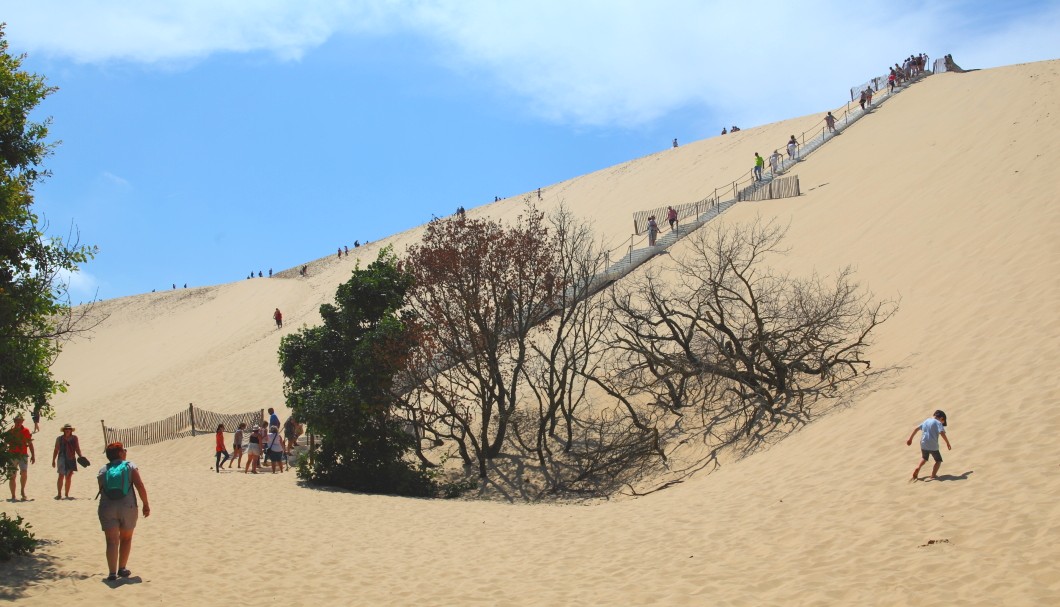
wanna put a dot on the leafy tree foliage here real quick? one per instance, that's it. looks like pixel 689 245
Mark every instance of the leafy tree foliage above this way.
pixel 338 380
pixel 16 539
pixel 480 288
pixel 35 314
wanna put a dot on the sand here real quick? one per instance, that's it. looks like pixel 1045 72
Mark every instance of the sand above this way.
pixel 945 197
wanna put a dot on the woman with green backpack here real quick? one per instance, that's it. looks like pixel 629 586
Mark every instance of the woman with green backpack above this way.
pixel 118 507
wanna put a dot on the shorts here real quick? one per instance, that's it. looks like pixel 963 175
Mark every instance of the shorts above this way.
pixel 237 448
pixel 121 514
pixel 254 449
pixel 66 466
pixel 935 454
pixel 21 462
pixel 275 456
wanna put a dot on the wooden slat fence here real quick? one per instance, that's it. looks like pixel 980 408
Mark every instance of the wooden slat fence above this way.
pixel 687 210
pixel 189 422
pixel 780 187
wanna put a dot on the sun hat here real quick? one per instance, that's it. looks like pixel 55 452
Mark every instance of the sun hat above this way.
pixel 68 427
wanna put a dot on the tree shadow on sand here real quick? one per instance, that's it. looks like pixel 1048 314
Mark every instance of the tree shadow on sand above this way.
pixel 21 573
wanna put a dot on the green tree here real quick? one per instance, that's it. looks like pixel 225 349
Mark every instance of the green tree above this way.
pixel 339 379
pixel 35 314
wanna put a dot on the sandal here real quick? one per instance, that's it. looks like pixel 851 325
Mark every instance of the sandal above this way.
pixel 112 577
pixel 124 572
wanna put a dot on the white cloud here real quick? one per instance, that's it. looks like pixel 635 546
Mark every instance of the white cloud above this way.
pixel 113 179
pixel 80 285
pixel 592 62
pixel 94 31
pixel 599 62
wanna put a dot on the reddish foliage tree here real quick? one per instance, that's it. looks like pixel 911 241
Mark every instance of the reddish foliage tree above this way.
pixel 480 288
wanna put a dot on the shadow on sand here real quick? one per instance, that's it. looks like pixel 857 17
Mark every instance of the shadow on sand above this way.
pixel 954 477
pixel 22 572
pixel 123 581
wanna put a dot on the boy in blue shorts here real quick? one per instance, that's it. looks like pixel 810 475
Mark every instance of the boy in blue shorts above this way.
pixel 933 428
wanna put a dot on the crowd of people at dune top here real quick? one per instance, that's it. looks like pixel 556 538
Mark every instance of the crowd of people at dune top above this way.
pixel 898 75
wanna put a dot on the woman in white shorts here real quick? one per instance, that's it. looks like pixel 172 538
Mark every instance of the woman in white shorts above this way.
pixel 253 451
pixel 237 446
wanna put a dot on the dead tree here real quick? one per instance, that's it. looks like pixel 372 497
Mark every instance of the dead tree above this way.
pixel 577 447
pixel 733 349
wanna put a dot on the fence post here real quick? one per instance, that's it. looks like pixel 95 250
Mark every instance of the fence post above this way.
pixel 312 446
pixel 191 415
pixel 104 426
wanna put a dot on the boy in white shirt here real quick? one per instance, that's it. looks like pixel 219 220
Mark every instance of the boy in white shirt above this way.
pixel 933 428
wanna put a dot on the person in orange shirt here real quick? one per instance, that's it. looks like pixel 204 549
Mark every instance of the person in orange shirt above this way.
pixel 220 449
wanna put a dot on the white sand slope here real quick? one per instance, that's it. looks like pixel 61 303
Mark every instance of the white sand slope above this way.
pixel 946 196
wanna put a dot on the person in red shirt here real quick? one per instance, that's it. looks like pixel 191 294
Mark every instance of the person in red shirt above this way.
pixel 21 441
pixel 278 317
pixel 220 449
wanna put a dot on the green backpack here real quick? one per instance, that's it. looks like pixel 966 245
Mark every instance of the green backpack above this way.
pixel 117 480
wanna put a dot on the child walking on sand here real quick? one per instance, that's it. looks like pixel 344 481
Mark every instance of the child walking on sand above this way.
pixel 933 427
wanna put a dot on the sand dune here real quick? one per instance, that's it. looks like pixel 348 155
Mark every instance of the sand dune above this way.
pixel 946 197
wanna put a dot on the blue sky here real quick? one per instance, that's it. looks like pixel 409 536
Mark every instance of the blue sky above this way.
pixel 205 139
